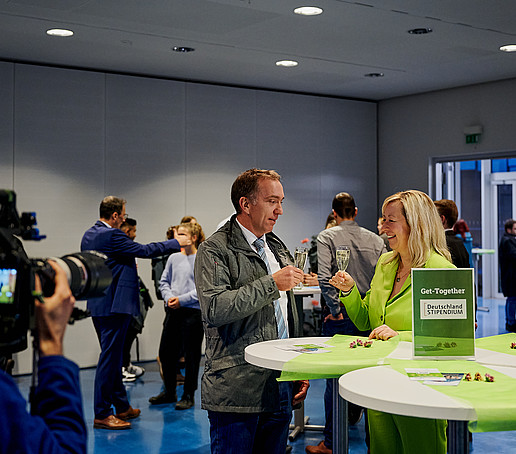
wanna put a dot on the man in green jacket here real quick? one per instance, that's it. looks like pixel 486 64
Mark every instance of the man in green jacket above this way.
pixel 244 275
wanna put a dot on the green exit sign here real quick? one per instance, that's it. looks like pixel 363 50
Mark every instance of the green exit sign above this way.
pixel 472 138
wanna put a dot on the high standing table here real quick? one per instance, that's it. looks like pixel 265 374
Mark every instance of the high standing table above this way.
pixel 300 421
pixel 300 294
pixel 477 252
pixel 266 354
pixel 384 389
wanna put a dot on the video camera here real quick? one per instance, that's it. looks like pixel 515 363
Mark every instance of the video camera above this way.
pixel 88 275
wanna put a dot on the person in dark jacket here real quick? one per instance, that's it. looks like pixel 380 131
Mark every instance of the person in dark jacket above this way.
pixel 507 257
pixel 112 313
pixel 449 213
pixel 244 275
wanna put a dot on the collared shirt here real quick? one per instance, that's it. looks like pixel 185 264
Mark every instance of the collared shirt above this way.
pixel 273 264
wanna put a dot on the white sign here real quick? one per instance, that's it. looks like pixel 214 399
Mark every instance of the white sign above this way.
pixel 444 309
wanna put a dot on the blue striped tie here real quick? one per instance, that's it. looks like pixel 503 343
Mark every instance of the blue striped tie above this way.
pixel 280 321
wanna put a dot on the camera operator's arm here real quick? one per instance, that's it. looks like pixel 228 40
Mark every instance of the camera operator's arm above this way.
pixel 57 403
pixel 52 316
pixel 57 423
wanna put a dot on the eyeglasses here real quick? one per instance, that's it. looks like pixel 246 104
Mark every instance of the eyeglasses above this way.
pixel 125 216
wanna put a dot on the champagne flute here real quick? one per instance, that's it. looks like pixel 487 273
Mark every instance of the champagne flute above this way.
pixel 300 256
pixel 342 254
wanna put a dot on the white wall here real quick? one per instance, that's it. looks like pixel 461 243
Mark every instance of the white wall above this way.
pixel 170 148
pixel 414 128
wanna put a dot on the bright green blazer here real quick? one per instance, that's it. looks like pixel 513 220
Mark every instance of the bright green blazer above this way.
pixel 376 308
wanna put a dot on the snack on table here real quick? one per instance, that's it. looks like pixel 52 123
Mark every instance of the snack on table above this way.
pixel 478 377
pixel 368 343
pixel 467 377
pixel 513 344
pixel 353 345
pixel 489 378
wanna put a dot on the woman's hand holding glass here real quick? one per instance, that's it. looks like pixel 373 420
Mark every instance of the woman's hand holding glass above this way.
pixel 343 281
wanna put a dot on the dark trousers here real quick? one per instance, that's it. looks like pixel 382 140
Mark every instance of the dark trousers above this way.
pixel 252 433
pixel 109 388
pixel 130 337
pixel 330 328
pixel 510 314
pixel 182 328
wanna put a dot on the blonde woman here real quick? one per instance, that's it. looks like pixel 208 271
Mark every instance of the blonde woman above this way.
pixel 417 240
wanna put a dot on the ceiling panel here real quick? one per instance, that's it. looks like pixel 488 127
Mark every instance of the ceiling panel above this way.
pixel 237 42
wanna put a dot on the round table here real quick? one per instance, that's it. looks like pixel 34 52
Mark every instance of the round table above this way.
pixel 384 389
pixel 268 354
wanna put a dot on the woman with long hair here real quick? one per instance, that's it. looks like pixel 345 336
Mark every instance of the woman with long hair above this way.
pixel 417 240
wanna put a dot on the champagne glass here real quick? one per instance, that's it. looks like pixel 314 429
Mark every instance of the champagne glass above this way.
pixel 300 256
pixel 342 254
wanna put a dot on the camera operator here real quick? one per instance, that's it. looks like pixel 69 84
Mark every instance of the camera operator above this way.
pixel 56 423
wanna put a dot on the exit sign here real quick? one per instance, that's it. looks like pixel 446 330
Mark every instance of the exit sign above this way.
pixel 472 138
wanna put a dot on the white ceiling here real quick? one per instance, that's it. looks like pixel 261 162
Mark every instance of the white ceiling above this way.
pixel 237 42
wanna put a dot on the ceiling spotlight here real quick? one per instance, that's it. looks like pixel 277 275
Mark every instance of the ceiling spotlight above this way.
pixel 59 32
pixel 308 11
pixel 420 31
pixel 182 49
pixel 508 48
pixel 287 63
pixel 374 75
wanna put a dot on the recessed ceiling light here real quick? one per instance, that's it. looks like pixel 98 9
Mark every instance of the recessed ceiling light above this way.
pixel 420 31
pixel 374 75
pixel 308 11
pixel 182 49
pixel 287 63
pixel 508 48
pixel 59 32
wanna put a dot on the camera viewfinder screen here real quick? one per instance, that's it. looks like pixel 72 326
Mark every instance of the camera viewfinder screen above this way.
pixel 7 285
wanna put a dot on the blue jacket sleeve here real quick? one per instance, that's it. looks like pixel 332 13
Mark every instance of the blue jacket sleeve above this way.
pixel 121 244
pixel 56 424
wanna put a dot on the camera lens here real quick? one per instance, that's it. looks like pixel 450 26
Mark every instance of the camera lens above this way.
pixel 88 275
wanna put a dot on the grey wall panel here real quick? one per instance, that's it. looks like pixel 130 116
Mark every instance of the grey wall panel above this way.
pixel 320 146
pixel 221 142
pixel 348 145
pixel 59 151
pixel 6 125
pixel 145 150
pixel 59 161
pixel 287 141
pixel 412 129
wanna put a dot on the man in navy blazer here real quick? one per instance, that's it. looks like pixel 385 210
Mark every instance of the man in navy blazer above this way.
pixel 111 313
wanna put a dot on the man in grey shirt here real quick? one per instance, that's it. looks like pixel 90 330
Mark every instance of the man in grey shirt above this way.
pixel 365 249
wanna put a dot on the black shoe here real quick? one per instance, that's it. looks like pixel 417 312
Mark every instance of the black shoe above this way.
pixel 185 403
pixel 511 327
pixel 163 398
pixel 354 414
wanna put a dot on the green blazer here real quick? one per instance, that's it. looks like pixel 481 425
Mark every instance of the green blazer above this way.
pixel 376 308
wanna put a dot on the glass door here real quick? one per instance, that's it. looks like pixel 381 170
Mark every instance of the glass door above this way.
pixel 503 208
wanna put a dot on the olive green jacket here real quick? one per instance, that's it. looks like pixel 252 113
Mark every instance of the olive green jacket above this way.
pixel 236 296
pixel 377 308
